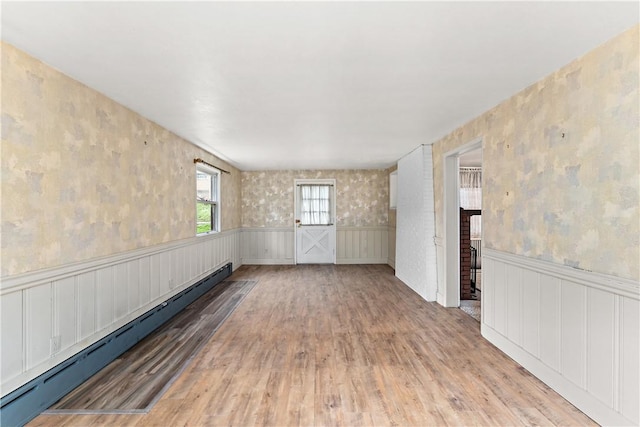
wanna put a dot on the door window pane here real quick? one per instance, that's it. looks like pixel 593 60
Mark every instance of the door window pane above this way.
pixel 315 204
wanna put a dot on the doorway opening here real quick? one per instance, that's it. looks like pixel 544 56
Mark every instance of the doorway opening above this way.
pixel 462 275
pixel 470 182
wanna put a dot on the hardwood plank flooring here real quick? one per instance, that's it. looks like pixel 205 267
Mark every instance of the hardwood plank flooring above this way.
pixel 138 377
pixel 345 345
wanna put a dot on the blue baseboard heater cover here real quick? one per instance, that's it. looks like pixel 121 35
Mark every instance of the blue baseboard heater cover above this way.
pixel 25 403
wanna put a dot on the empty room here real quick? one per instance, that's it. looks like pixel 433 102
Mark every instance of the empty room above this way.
pixel 320 213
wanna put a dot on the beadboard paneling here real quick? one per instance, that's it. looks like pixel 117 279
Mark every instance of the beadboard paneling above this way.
pixel 268 245
pixel 600 330
pixel 391 243
pixel 11 327
pixel 628 355
pixel 531 312
pixel 50 315
pixel 86 308
pixel 362 245
pixel 39 310
pixel 65 311
pixel 575 330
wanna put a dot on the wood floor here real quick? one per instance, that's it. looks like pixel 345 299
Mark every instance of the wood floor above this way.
pixel 345 345
pixel 137 378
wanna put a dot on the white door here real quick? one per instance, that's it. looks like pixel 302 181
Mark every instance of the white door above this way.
pixel 315 221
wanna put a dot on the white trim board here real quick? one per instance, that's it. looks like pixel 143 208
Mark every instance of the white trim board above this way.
pixel 21 281
pixel 618 285
pixel 449 250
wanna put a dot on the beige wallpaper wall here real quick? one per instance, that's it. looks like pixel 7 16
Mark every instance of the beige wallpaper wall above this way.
pixel 83 176
pixel 561 164
pixel 362 197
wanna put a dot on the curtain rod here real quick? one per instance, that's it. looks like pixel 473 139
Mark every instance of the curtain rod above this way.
pixel 199 160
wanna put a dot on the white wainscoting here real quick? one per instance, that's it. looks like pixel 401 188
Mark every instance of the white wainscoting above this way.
pixel 268 245
pixel 577 331
pixel 52 314
pixel 362 245
pixel 354 245
pixel 440 297
pixel 391 239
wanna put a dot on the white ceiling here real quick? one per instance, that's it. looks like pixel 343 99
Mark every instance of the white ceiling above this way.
pixel 298 85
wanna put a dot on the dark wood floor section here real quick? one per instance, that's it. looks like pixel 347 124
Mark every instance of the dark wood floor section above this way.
pixel 345 345
pixel 137 378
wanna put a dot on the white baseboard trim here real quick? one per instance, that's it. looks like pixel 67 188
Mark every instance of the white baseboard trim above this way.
pixel 291 262
pixel 362 261
pixel 279 261
pixel 580 398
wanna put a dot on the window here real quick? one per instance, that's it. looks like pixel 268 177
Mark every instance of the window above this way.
pixel 471 196
pixel 207 200
pixel 315 204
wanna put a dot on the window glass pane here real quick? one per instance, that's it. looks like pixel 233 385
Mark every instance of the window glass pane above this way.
pixel 214 217
pixel 476 227
pixel 214 187
pixel 315 206
pixel 205 216
pixel 204 186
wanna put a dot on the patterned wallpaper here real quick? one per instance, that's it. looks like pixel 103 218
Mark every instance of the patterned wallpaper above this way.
pixel 561 164
pixel 83 176
pixel 362 197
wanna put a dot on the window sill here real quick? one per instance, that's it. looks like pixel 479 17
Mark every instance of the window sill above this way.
pixel 207 233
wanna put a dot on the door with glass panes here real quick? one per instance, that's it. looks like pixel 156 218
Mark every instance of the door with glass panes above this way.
pixel 315 227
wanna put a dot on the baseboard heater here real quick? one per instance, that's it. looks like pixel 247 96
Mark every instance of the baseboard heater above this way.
pixel 25 403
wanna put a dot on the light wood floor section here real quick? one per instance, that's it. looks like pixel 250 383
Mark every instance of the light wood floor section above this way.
pixel 135 380
pixel 345 345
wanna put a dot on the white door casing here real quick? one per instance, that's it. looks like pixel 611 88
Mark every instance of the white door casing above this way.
pixel 449 287
pixel 315 237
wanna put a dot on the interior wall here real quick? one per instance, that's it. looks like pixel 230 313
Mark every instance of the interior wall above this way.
pixel 362 197
pixel 560 165
pixel 362 208
pixel 392 227
pixel 97 218
pixel 415 232
pixel 561 253
pixel 85 177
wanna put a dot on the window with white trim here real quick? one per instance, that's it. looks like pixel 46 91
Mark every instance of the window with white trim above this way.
pixel 207 200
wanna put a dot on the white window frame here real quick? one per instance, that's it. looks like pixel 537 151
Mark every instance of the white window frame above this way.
pixel 215 184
